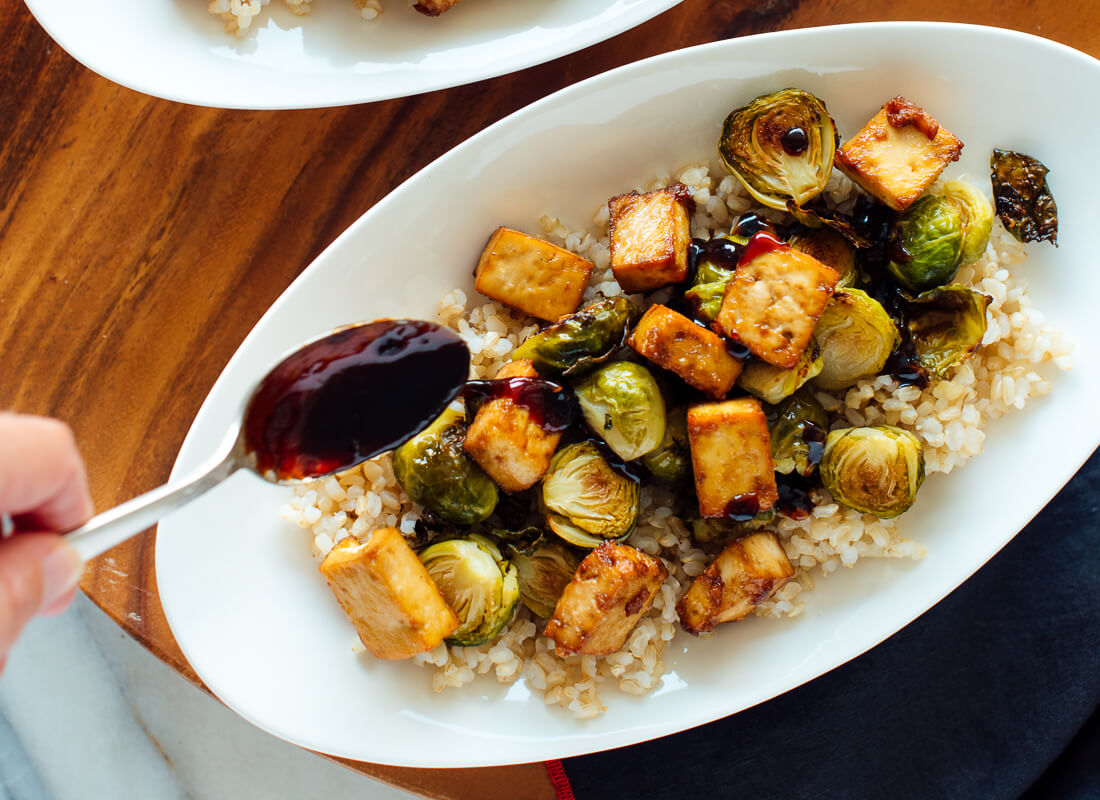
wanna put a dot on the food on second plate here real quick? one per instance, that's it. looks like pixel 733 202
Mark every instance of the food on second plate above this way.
pixel 765 404
pixel 1024 202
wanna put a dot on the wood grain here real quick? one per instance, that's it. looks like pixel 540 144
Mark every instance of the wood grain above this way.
pixel 140 240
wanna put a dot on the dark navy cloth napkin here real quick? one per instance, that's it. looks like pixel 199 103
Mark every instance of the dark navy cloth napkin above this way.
pixel 991 694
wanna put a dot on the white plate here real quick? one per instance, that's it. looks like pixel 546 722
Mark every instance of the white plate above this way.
pixel 263 631
pixel 177 50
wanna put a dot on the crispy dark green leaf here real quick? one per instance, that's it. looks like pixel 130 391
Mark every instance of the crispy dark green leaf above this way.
pixel 1024 202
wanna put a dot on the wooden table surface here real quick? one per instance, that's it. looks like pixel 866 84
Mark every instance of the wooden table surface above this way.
pixel 140 240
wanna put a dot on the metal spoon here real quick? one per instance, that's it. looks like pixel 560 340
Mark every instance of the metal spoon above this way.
pixel 331 404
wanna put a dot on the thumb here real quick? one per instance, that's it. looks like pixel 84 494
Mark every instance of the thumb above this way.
pixel 37 572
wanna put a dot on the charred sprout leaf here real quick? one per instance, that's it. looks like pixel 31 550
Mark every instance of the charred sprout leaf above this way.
pixel 622 404
pixel 926 244
pixel 797 434
pixel 437 474
pixel 1024 202
pixel 977 217
pixel 945 326
pixel 820 217
pixel 771 383
pixel 831 249
pixel 705 295
pixel 586 500
pixel 876 470
pixel 721 530
pixel 856 336
pixel 581 340
pixel 522 540
pixel 781 147
pixel 479 585
pixel 670 462
pixel 543 573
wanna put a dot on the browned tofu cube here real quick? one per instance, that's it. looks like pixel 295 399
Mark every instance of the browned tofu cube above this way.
pixel 433 8
pixel 611 590
pixel 530 275
pixel 731 456
pixel 772 303
pixel 512 448
pixel 388 595
pixel 650 234
pixel 699 356
pixel 898 154
pixel 743 576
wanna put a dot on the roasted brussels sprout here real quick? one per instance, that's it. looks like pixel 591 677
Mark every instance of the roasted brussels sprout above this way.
pixel 1024 202
pixel 705 295
pixel 622 404
pixel 856 336
pixel 586 501
pixel 771 383
pixel 875 470
pixel 977 217
pixel 479 585
pixel 945 325
pixel 781 147
pixel 670 462
pixel 831 249
pixel 543 572
pixel 721 530
pixel 926 244
pixel 581 340
pixel 797 428
pixel 435 472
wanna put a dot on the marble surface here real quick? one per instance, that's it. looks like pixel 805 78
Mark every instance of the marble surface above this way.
pixel 87 713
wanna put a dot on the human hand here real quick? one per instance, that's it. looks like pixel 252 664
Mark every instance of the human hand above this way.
pixel 43 488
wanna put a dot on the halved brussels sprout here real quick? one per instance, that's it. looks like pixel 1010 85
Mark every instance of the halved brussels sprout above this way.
pixel 945 325
pixel 479 585
pixel 1024 201
pixel 926 244
pixel 831 249
pixel 771 383
pixel 856 336
pixel 586 501
pixel 670 462
pixel 977 217
pixel 781 147
pixel 543 573
pixel 581 340
pixel 876 470
pixel 622 404
pixel 798 434
pixel 436 473
pixel 705 295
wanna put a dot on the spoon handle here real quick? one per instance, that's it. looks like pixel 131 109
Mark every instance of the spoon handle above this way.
pixel 104 531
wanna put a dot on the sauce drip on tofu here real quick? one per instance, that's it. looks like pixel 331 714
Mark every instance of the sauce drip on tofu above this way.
pixel 550 406
pixel 351 395
pixel 760 243
pixel 794 142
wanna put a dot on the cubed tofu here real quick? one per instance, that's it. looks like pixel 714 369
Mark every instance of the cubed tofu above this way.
pixel 388 595
pixel 772 303
pixel 433 8
pixel 512 448
pixel 898 154
pixel 610 591
pixel 699 356
pixel 530 275
pixel 731 456
pixel 743 576
pixel 650 234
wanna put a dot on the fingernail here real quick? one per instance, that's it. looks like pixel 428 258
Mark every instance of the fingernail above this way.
pixel 61 571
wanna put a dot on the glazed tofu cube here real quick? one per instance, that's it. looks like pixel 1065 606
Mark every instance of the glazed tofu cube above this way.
pixel 433 8
pixel 731 456
pixel 611 590
pixel 898 154
pixel 743 576
pixel 650 234
pixel 772 303
pixel 388 595
pixel 506 442
pixel 699 356
pixel 530 275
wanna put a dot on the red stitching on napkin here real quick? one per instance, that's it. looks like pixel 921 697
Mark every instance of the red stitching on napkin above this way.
pixel 562 787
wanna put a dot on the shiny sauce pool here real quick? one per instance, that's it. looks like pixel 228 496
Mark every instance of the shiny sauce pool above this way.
pixel 351 395
pixel 548 404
